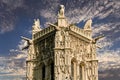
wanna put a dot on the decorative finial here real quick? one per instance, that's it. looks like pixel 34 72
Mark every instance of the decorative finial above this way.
pixel 61 12
pixel 88 25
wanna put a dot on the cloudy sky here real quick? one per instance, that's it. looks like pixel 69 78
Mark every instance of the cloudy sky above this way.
pixel 16 19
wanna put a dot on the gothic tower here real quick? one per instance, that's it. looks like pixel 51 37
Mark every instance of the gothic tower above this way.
pixel 62 51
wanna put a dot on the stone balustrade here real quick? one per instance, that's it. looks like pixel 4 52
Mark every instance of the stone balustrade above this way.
pixel 80 31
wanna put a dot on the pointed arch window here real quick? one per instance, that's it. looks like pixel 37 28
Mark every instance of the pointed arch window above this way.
pixel 52 71
pixel 73 69
pixel 43 72
pixel 80 72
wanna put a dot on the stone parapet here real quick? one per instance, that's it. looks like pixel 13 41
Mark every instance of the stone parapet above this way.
pixel 80 32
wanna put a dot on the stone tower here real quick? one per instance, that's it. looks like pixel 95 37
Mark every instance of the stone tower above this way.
pixel 62 51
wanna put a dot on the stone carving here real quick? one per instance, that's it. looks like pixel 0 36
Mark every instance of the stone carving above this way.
pixel 62 62
pixel 61 35
pixel 57 69
pixel 67 71
pixel 67 77
pixel 36 26
pixel 29 42
pixel 62 9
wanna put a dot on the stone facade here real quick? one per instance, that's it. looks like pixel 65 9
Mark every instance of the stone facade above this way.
pixel 62 51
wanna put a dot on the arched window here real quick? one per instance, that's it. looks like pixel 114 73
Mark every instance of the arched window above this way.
pixel 73 69
pixel 80 72
pixel 43 72
pixel 52 71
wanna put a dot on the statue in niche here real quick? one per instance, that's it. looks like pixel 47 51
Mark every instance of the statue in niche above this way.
pixel 61 35
pixel 93 49
pixel 62 62
pixel 67 36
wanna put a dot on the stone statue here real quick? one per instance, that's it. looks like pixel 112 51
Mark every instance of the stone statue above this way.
pixel 62 9
pixel 36 26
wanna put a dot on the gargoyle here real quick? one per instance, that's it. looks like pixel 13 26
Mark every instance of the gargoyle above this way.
pixel 29 42
pixel 56 27
pixel 97 38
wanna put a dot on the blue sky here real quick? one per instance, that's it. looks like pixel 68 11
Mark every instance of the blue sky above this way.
pixel 17 16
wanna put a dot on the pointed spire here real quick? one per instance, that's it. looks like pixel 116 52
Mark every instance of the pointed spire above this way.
pixel 36 26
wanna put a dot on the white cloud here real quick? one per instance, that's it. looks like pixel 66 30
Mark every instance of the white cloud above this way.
pixel 20 56
pixel 12 65
pixel 22 44
pixel 15 63
pixel 109 59
pixel 13 4
pixel 105 43
pixel 48 15
pixel 107 13
pixel 100 28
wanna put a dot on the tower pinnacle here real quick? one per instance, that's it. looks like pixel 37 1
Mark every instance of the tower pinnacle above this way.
pixel 62 22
